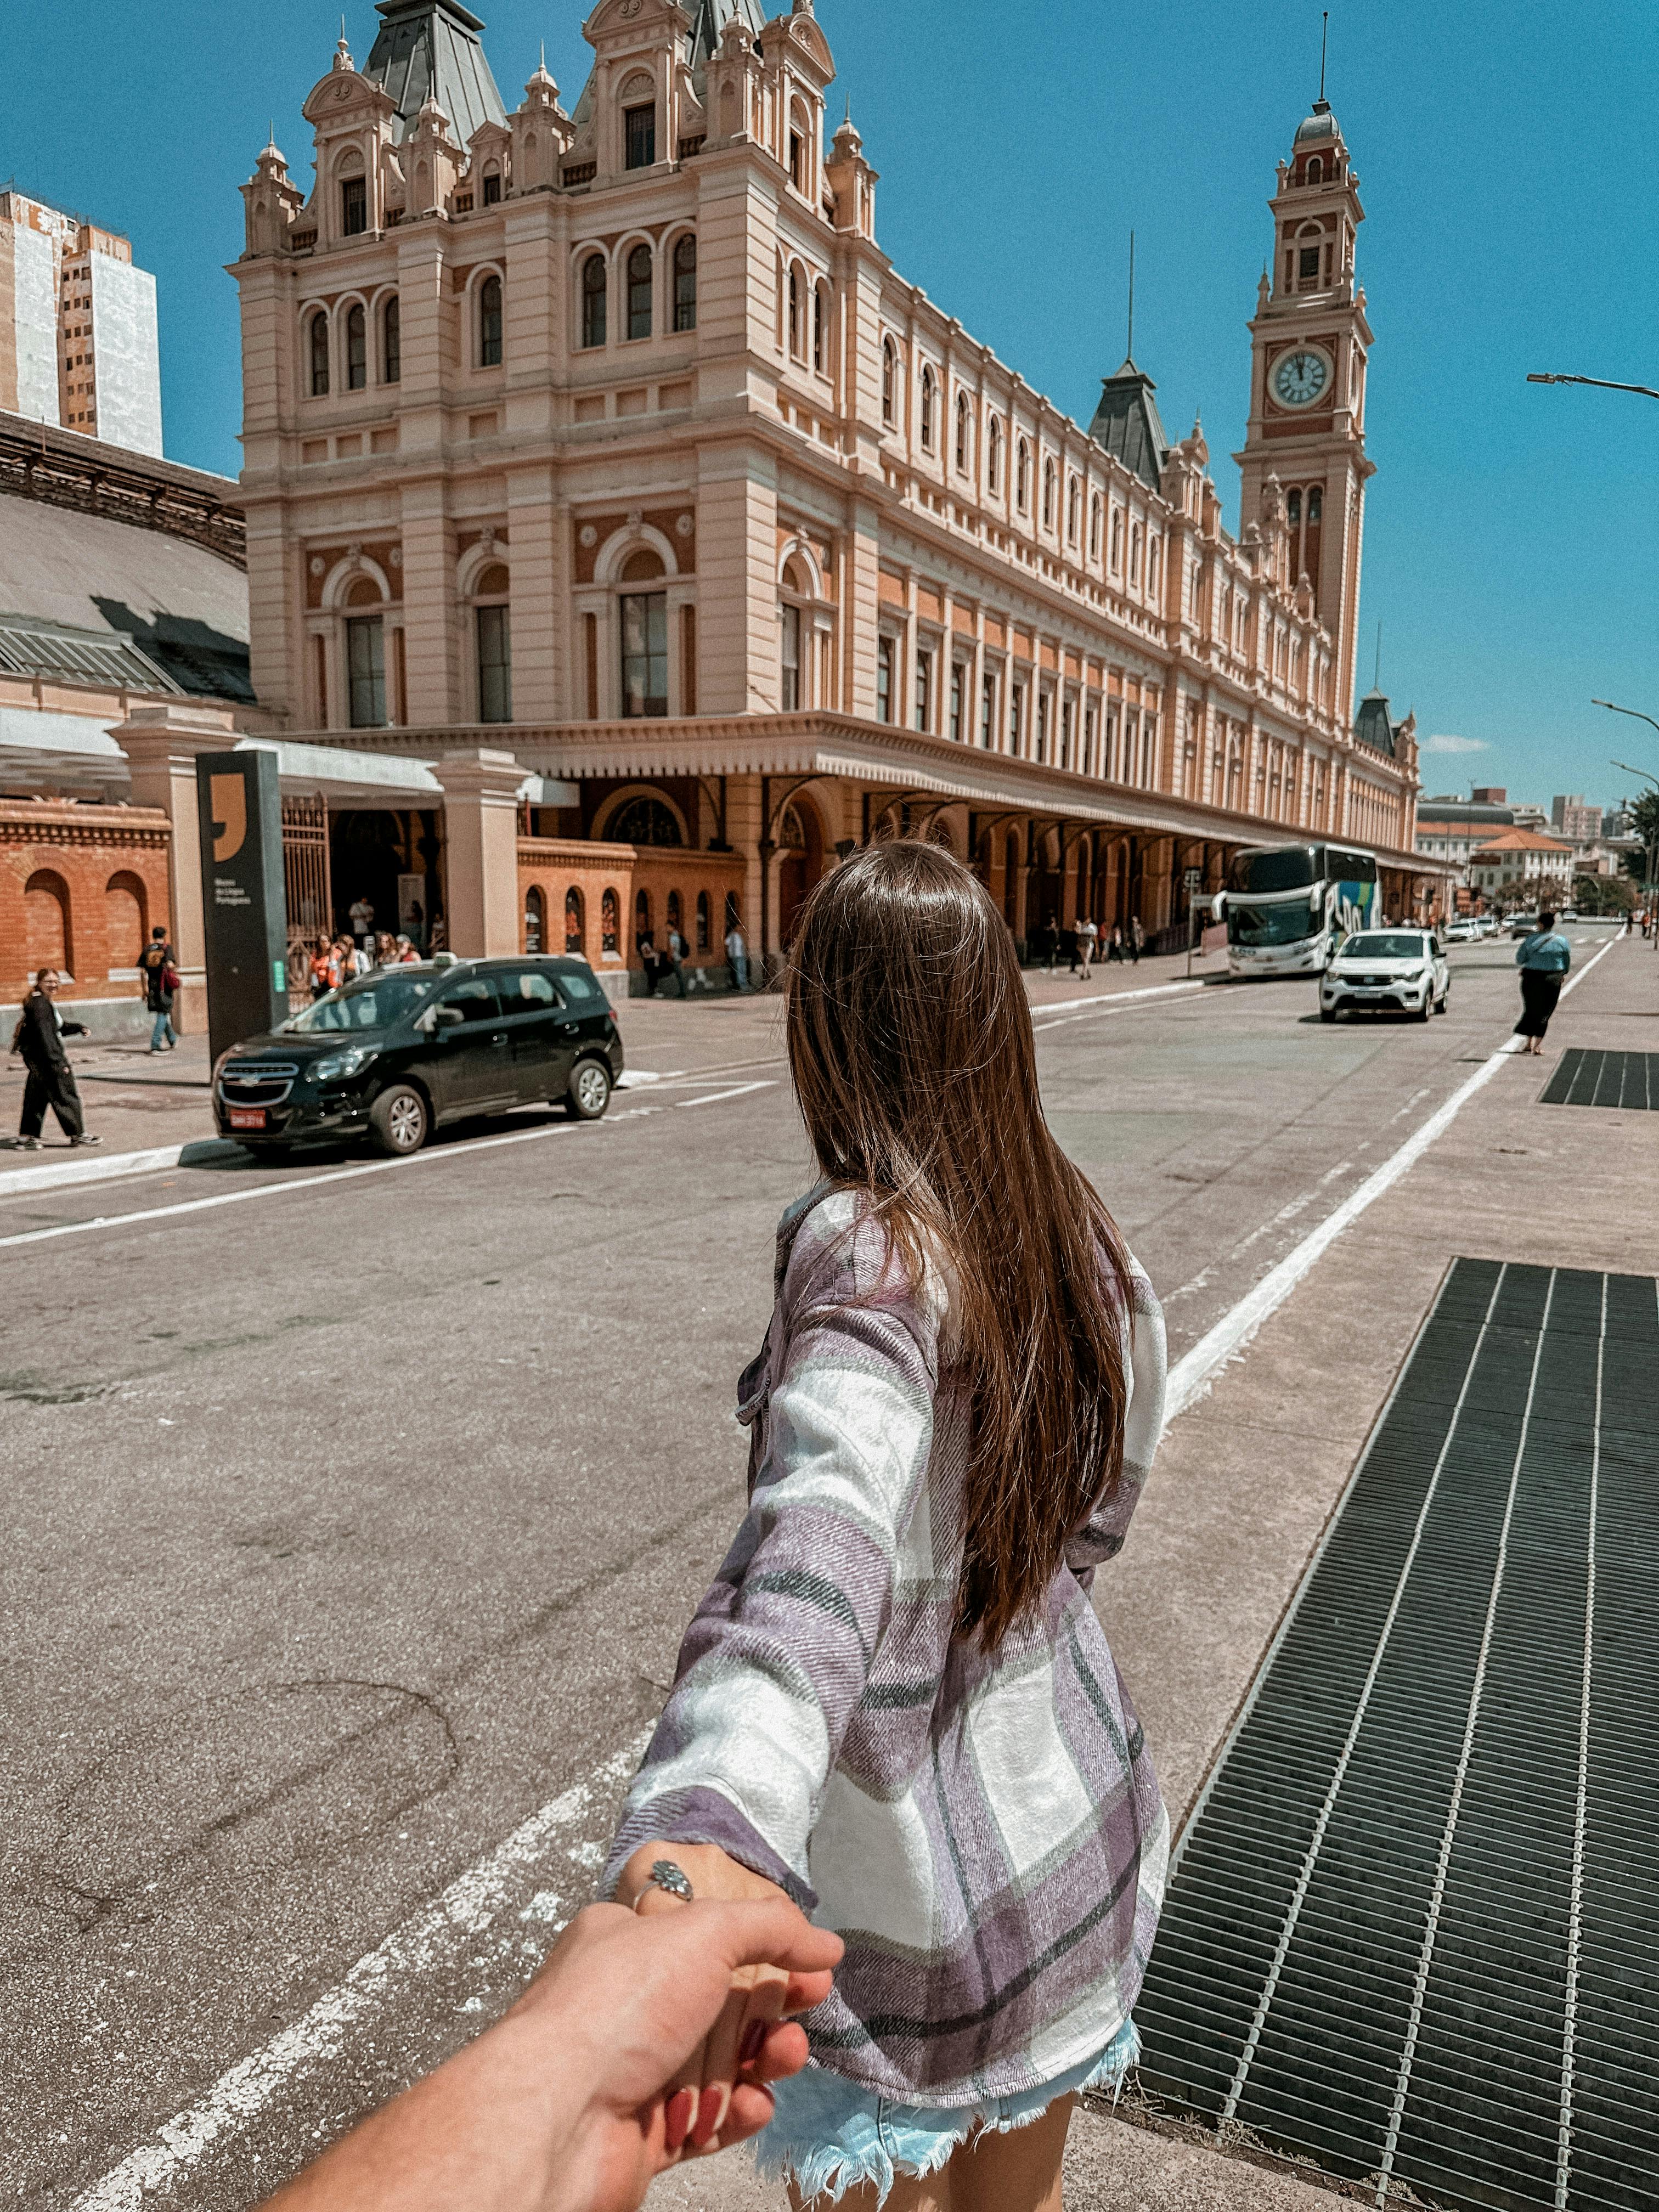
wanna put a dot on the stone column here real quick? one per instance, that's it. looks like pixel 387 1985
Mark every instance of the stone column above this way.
pixel 162 745
pixel 481 851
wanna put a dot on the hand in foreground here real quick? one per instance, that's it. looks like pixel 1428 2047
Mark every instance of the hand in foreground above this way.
pixel 561 2108
pixel 708 2088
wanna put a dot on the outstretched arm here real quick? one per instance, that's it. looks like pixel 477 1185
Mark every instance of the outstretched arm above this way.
pixel 561 2108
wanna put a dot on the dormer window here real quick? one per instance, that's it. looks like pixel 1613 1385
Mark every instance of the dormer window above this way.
pixel 353 206
pixel 492 188
pixel 797 160
pixel 640 126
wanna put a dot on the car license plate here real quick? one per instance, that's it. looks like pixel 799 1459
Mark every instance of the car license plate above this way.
pixel 247 1117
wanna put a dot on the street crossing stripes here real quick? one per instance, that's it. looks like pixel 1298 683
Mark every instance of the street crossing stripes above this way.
pixel 1411 1933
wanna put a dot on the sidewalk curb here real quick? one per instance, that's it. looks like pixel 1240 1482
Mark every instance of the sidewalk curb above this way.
pixel 201 1151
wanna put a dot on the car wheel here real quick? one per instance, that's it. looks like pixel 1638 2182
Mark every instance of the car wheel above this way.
pixel 1444 1007
pixel 1427 1007
pixel 589 1094
pixel 398 1121
pixel 1327 1013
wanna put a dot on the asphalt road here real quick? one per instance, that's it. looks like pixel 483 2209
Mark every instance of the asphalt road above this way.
pixel 355 1520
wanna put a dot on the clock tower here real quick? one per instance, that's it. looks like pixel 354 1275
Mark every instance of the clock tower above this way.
pixel 1303 464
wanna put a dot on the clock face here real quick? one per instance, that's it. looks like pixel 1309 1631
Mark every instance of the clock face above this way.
pixel 1301 378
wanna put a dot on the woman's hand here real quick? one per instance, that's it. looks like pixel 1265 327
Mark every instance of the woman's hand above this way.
pixel 700 2097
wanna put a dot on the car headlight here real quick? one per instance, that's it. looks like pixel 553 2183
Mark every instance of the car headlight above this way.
pixel 340 1065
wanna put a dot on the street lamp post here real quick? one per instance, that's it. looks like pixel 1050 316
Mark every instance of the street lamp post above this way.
pixel 1650 874
pixel 1601 384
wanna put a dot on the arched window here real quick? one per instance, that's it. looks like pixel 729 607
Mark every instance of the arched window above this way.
pixel 1117 538
pixel 391 334
pixel 641 917
pixel 319 355
pixel 994 457
pixel 686 283
pixel 961 432
pixel 705 922
pixel 1315 170
pixel 1136 540
pixel 574 921
pixel 1073 509
pixel 47 936
pixel 1316 504
pixel 356 350
pixel 929 394
pixel 638 293
pixel 1094 527
pixel 492 187
pixel 1022 475
pixel 610 921
pixel 644 821
pixel 494 642
pixel 675 913
pixel 794 315
pixel 1049 495
pixel 594 289
pixel 127 920
pixel 535 921
pixel 1294 509
pixel 888 379
pixel 820 325
pixel 489 323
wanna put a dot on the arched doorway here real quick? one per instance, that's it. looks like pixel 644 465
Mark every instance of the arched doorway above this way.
pixel 800 847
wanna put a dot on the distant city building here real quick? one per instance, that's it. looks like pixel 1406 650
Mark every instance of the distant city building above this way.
pixel 1520 866
pixel 78 345
pixel 1579 823
pixel 1451 830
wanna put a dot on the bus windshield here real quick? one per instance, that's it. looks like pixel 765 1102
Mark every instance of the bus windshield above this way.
pixel 1289 924
pixel 1293 868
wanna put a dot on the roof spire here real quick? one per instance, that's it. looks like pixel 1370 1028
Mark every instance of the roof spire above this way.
pixel 1324 48
pixel 1129 350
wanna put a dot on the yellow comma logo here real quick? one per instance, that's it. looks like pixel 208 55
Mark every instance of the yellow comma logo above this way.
pixel 228 795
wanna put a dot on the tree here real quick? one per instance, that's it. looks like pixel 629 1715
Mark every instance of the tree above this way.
pixel 1603 895
pixel 1644 822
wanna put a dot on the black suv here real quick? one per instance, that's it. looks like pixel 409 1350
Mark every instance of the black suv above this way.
pixel 397 1052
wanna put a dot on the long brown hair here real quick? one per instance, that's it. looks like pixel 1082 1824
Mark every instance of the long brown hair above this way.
pixel 911 1046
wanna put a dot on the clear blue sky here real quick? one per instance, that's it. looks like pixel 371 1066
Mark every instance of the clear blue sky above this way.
pixel 1507 162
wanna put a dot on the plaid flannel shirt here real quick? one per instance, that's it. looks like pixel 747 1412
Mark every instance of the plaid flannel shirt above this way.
pixel 987 1836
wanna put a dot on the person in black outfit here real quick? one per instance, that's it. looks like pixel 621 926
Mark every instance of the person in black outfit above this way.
pixel 39 1037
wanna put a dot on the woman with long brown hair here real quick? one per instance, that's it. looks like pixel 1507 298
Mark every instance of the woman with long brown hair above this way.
pixel 897 1704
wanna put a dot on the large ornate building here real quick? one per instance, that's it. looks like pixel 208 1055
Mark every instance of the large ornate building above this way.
pixel 602 461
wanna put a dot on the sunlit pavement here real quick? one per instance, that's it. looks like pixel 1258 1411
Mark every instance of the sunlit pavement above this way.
pixel 353 1524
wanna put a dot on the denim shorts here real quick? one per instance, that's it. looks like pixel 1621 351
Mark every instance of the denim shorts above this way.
pixel 829 2134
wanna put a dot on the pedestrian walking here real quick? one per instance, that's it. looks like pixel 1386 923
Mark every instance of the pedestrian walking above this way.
pixel 1115 948
pixel 737 958
pixel 1544 959
pixel 650 959
pixel 1048 944
pixel 677 950
pixel 416 928
pixel 159 980
pixel 951 1418
pixel 325 972
pixel 50 1080
pixel 1137 939
pixel 1088 937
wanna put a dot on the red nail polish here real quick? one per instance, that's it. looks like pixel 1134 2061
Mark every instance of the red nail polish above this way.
pixel 676 2120
pixel 708 2113
pixel 754 2040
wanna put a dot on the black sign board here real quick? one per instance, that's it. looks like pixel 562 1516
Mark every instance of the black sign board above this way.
pixel 244 908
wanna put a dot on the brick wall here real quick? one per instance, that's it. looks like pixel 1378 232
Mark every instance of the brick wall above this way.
pixel 552 867
pixel 80 888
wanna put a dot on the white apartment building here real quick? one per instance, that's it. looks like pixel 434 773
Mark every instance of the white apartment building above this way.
pixel 78 340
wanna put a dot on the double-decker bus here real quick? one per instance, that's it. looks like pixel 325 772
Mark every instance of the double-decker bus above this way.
pixel 1287 909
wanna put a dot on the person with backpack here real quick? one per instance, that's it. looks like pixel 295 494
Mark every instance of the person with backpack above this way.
pixel 159 981
pixel 896 1705
pixel 38 1037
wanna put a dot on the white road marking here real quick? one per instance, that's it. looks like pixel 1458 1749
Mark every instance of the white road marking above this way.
pixel 714 1098
pixel 1076 1009
pixel 440 1929
pixel 437 1935
pixel 108 1166
pixel 1193 1376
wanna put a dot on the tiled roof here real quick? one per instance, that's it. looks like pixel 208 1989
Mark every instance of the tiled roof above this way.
pixel 1127 424
pixel 433 46
pixel 1522 840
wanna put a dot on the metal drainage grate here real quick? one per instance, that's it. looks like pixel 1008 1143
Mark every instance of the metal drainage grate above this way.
pixel 1413 1928
pixel 1605 1079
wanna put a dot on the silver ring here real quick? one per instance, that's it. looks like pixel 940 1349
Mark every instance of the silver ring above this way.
pixel 673 1881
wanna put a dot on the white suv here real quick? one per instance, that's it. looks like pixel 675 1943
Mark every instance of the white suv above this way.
pixel 1399 970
